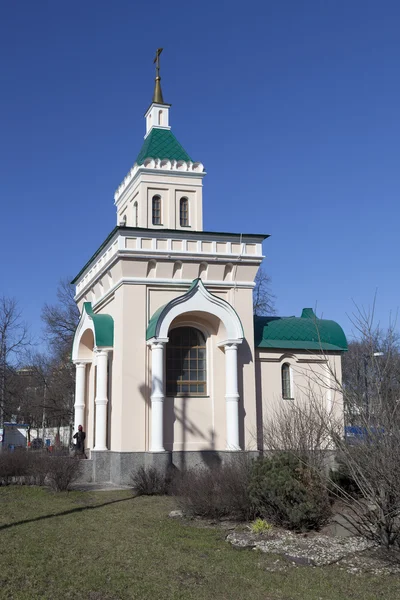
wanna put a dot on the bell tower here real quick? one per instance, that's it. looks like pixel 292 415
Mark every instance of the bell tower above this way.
pixel 163 189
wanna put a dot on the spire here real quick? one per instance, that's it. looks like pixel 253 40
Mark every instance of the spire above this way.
pixel 157 96
pixel 157 115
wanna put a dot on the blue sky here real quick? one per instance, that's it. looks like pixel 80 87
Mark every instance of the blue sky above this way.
pixel 292 106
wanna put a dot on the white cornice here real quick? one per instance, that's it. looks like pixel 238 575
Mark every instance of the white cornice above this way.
pixel 156 105
pixel 158 166
pixel 115 250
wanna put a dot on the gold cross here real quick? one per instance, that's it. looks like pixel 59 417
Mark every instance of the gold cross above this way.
pixel 157 61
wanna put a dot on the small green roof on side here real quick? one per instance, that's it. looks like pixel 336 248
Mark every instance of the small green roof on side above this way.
pixel 161 143
pixel 103 326
pixel 299 333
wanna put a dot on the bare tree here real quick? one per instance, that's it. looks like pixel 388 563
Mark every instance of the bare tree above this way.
pixel 263 298
pixel 61 319
pixel 369 455
pixel 47 385
pixel 14 339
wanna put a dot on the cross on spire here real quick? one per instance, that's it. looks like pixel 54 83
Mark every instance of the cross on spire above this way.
pixel 157 61
pixel 157 96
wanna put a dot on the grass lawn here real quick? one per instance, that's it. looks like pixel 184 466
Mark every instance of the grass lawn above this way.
pixel 109 546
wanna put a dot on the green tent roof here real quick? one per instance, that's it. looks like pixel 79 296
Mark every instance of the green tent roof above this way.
pixel 299 333
pixel 161 143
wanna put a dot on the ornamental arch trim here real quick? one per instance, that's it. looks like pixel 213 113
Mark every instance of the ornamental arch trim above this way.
pixel 196 299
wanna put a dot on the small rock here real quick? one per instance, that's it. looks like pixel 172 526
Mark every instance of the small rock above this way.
pixel 175 514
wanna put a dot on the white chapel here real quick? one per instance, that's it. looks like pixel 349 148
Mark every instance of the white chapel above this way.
pixel 171 365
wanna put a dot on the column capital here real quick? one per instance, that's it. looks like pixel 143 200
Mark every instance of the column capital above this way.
pixel 81 363
pixel 160 343
pixel 100 351
pixel 231 346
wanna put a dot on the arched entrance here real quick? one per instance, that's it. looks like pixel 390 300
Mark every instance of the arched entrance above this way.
pixel 93 341
pixel 197 301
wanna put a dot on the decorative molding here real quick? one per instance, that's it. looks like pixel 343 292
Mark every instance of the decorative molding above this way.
pixel 295 356
pixel 115 250
pixel 158 165
pixel 197 298
pixel 175 283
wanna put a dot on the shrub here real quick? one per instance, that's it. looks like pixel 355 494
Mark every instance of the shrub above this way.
pixel 260 526
pixel 222 491
pixel 62 472
pixel 14 466
pixel 288 493
pixel 39 466
pixel 149 481
pixel 341 482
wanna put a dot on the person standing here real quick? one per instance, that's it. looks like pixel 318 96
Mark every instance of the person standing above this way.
pixel 80 436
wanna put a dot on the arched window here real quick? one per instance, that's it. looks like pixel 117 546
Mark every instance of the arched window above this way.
pixel 184 212
pixel 160 117
pixel 287 391
pixel 186 363
pixel 135 214
pixel 156 210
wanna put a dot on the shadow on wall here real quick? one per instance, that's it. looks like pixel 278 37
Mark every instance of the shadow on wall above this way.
pixel 245 357
pixel 173 414
pixel 259 408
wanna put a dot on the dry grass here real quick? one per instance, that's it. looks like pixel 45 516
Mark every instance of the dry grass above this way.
pixel 111 546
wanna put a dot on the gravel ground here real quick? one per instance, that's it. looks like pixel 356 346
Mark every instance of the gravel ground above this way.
pixel 316 550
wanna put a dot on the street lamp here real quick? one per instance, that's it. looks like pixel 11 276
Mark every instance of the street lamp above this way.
pixel 366 357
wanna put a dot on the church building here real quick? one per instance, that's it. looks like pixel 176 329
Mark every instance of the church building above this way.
pixel 171 364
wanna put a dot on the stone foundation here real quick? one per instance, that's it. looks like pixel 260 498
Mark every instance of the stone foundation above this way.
pixel 116 467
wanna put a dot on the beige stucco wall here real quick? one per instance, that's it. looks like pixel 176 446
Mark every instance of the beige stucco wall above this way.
pixel 171 188
pixel 193 423
pixel 138 284
pixel 189 423
pixel 313 376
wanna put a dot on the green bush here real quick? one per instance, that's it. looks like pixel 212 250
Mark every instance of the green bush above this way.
pixel 289 494
pixel 222 491
pixel 260 526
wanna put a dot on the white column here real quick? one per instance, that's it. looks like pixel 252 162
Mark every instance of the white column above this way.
pixel 101 400
pixel 157 397
pixel 79 406
pixel 231 397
